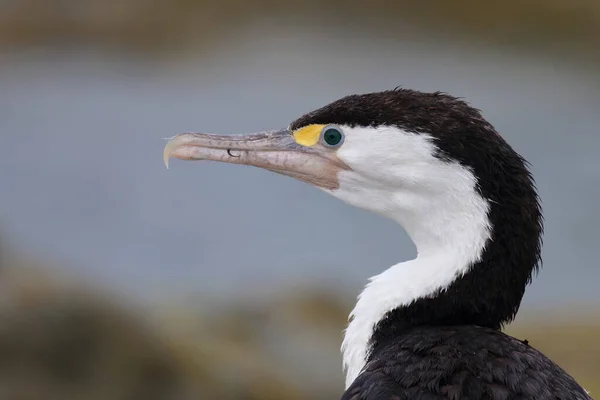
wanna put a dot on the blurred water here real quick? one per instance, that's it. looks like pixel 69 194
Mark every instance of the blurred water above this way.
pixel 83 181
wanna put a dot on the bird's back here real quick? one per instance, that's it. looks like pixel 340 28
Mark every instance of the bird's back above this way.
pixel 461 362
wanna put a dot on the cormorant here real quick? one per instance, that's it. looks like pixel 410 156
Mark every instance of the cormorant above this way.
pixel 429 328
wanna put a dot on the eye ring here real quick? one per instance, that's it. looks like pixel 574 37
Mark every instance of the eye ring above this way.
pixel 332 136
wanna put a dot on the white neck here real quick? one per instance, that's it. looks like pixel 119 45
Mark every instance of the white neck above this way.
pixel 449 228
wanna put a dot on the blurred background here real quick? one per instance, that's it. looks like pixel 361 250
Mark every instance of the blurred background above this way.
pixel 122 280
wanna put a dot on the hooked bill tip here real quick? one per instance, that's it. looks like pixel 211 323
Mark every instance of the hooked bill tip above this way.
pixel 167 152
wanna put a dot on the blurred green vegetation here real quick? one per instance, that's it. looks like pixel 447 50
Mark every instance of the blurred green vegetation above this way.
pixel 62 339
pixel 150 25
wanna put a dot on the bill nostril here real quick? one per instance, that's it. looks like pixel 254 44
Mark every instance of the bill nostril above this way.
pixel 233 153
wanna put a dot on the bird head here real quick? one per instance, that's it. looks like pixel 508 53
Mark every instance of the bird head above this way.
pixel 427 160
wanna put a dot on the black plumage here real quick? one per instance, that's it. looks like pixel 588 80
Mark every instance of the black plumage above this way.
pixel 461 362
pixel 449 345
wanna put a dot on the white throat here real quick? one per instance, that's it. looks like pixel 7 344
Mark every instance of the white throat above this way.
pixel 446 218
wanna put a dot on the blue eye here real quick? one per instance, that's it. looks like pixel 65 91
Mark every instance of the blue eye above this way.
pixel 332 136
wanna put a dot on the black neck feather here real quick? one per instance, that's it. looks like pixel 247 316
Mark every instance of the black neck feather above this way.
pixel 490 293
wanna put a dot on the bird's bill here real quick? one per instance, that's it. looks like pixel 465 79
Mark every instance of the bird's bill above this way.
pixel 275 151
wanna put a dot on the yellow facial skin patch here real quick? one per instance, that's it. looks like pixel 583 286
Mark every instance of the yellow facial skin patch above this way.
pixel 309 135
